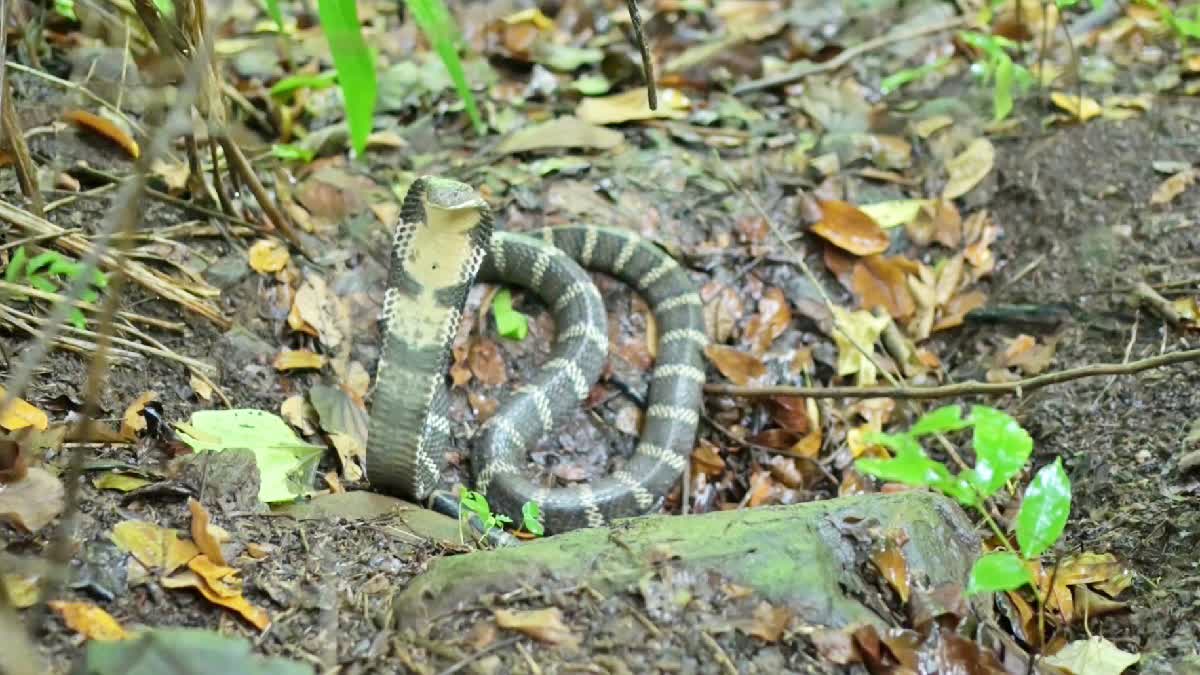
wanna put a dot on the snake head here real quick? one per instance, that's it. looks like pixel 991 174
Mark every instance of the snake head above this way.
pixel 445 195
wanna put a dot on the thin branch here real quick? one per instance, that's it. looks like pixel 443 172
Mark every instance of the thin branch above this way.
pixel 17 289
pixel 639 37
pixel 970 388
pixel 133 124
pixel 808 68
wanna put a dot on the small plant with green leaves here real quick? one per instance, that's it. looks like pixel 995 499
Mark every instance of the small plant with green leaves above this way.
pixel 1002 448
pixel 1007 77
pixel 49 272
pixel 472 502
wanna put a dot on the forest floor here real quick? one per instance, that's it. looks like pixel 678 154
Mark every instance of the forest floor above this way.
pixel 1054 212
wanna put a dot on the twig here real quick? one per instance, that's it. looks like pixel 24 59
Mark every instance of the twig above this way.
pixel 719 653
pixel 728 433
pixel 808 68
pixel 639 36
pixel 970 388
pixel 70 344
pixel 17 289
pixel 468 660
pixel 133 124
pixel 237 161
pixel 1157 302
pixel 26 172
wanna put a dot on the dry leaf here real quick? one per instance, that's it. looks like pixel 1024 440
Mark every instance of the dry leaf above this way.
pixel 203 534
pixel 486 362
pixel 882 282
pixel 153 546
pixel 89 620
pixel 20 414
pixel 706 459
pixel 1172 187
pixel 324 312
pixel 174 175
pixel 1081 108
pixel 791 413
pixel 201 386
pixel 848 228
pixel 738 366
pixel 23 590
pixel 863 329
pixel 111 480
pixel 132 421
pixel 631 106
pixel 268 256
pixel 356 380
pixel 888 558
pixel 773 318
pixel 221 579
pixel 351 453
pixel 299 413
pixel 969 168
pixel 189 579
pixel 32 502
pixel 769 622
pixel 545 625
pixel 562 132
pixel 106 128
pixel 950 279
pixel 298 359
pixel 722 310
pixel 955 310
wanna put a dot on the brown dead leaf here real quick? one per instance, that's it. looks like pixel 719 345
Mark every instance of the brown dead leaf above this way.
pixel 204 534
pixel 737 366
pixel 773 318
pixel 299 413
pixel 888 558
pixel 967 169
pixel 706 459
pixel 544 625
pixel 769 622
pixel 105 128
pixel 762 488
pixel 1173 186
pixel 268 256
pixel 89 620
pixel 791 413
pixel 882 282
pixel 201 387
pixel 947 223
pixel 221 579
pixel 956 310
pixel 950 279
pixel 1025 353
pixel 351 453
pixel 632 106
pixel 13 464
pixel 33 502
pixel 20 414
pixel 847 227
pixel 486 362
pixel 132 422
pixel 722 310
pixel 317 307
pixel 561 132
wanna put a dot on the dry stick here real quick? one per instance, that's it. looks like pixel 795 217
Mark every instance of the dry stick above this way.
pixel 92 253
pixel 237 161
pixel 806 69
pixel 203 376
pixel 26 171
pixel 17 289
pixel 970 388
pixel 639 36
pixel 133 124
pixel 70 344
pixel 170 199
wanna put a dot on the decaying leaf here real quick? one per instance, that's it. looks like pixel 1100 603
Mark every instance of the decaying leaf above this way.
pixel 561 132
pixel 968 168
pixel 188 579
pixel 207 536
pixel 888 558
pixel 486 362
pixel 315 306
pixel 706 459
pixel 848 228
pixel 632 106
pixel 773 318
pixel 545 625
pixel 298 359
pixel 769 622
pixel 105 128
pixel 132 421
pixel 1081 108
pixel 351 453
pixel 33 502
pixel 89 620
pixel 882 282
pixel 153 546
pixel 1172 187
pixel 863 329
pixel 21 414
pixel 956 309
pixel 1094 656
pixel 738 366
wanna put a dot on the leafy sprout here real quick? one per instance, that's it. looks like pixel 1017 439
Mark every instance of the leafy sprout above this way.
pixel 47 272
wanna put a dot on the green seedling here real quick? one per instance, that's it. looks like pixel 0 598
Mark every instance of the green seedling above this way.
pixel 438 25
pixel 510 323
pixel 292 153
pixel 997 67
pixel 470 501
pixel 49 272
pixel 1184 22
pixel 1002 449
pixel 895 81
pixel 355 66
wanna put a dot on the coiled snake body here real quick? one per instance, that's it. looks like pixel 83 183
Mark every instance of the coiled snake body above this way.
pixel 443 242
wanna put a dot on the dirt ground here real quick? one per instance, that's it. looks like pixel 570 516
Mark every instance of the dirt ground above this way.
pixel 1072 202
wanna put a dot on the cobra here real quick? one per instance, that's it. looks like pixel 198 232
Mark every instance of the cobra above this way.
pixel 442 244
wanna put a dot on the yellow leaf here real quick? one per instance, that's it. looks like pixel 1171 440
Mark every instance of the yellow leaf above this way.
pixel 297 359
pixel 153 546
pixel 968 168
pixel 894 213
pixel 631 106
pixel 545 625
pixel 204 535
pixel 188 579
pixel 104 127
pixel 20 414
pixel 132 421
pixel 23 590
pixel 1080 107
pixel 221 579
pixel 863 329
pixel 118 481
pixel 268 256
pixel 89 620
pixel 533 15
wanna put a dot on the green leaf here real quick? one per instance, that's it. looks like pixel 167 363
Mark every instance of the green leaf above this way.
pixel 531 519
pixel 903 445
pixel 292 153
pixel 907 469
pixel 941 420
pixel 286 464
pixel 1044 510
pixel 162 650
pixel 510 323
pixel 996 572
pixel 897 80
pixel 16 265
pixel 592 85
pixel 276 15
pixel 99 279
pixel 66 8
pixel 354 64
pixel 64 267
pixel 293 83
pixel 1002 93
pixel 475 503
pixel 437 24
pixel 1001 448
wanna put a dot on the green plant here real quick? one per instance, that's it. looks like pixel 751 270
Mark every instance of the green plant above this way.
pixel 998 67
pixel 355 66
pixel 1002 448
pixel 439 27
pixel 47 271
pixel 510 323
pixel 472 502
pixel 1184 22
pixel 899 79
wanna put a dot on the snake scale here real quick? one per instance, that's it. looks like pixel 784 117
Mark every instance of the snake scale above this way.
pixel 443 242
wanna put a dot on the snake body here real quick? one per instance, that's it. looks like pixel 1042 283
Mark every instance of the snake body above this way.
pixel 443 242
